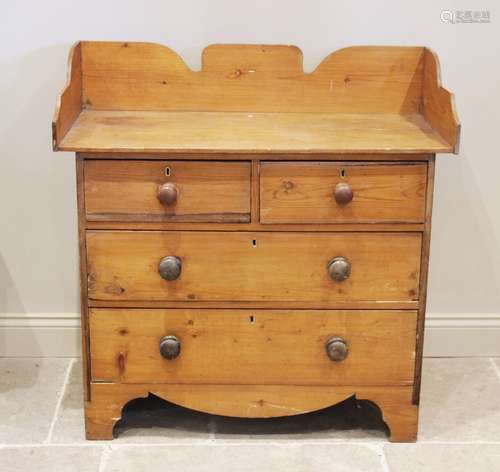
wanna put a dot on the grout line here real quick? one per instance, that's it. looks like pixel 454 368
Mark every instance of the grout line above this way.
pixel 378 448
pixel 223 443
pixel 375 445
pixel 495 367
pixel 383 460
pixel 106 452
pixel 212 427
pixel 42 445
pixel 59 400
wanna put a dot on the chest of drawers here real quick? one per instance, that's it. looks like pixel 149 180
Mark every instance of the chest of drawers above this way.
pixel 254 240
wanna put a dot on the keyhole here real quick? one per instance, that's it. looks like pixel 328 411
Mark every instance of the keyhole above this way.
pixel 343 173
pixel 254 243
pixel 252 319
pixel 167 171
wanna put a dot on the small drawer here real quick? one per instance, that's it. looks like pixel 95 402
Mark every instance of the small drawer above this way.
pixel 181 191
pixel 317 268
pixel 259 347
pixel 329 192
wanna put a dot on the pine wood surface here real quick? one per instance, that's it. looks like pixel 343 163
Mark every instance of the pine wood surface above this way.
pixel 254 226
pixel 82 253
pixel 293 304
pixel 255 146
pixel 307 133
pixel 304 192
pixel 438 103
pixel 424 272
pixel 139 97
pixel 245 266
pixel 251 401
pixel 240 346
pixel 253 78
pixel 256 156
pixel 207 191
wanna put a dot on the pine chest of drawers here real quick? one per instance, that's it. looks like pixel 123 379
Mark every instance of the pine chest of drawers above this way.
pixel 254 240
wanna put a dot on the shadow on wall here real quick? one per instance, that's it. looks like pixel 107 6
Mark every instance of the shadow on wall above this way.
pixel 38 236
pixel 10 298
pixel 11 330
pixel 38 242
pixel 464 276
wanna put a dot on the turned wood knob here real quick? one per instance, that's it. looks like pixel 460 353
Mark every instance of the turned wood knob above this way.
pixel 336 349
pixel 170 347
pixel 170 267
pixel 339 268
pixel 343 193
pixel 167 193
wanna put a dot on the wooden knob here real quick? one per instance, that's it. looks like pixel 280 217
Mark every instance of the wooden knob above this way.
pixel 170 347
pixel 170 268
pixel 339 268
pixel 336 349
pixel 167 193
pixel 343 193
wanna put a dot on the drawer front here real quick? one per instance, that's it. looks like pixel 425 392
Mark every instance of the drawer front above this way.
pixel 252 266
pixel 321 192
pixel 253 347
pixel 196 191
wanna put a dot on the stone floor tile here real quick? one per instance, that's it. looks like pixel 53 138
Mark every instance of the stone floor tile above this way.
pixel 347 420
pixel 442 457
pixel 70 424
pixel 496 360
pixel 458 403
pixel 50 459
pixel 236 458
pixel 29 390
pixel 459 400
pixel 148 420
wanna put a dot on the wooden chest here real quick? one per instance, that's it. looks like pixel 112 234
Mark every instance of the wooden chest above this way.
pixel 254 240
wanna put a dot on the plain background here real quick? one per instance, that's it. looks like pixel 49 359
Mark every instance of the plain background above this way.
pixel 38 237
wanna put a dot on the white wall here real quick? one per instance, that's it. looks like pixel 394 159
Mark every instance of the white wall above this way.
pixel 38 238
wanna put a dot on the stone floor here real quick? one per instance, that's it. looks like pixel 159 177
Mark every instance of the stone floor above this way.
pixel 41 429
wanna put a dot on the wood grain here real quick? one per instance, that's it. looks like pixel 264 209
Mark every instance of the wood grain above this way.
pixel 245 266
pixel 289 304
pixel 251 78
pixel 424 272
pixel 303 192
pixel 253 401
pixel 82 252
pixel 291 156
pixel 237 132
pixel 255 182
pixel 240 346
pixel 254 98
pixel 255 146
pixel 207 191
pixel 438 103
pixel 182 226
pixel 69 103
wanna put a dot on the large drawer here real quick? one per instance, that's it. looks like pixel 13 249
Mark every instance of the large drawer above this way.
pixel 253 347
pixel 329 192
pixel 192 191
pixel 253 266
